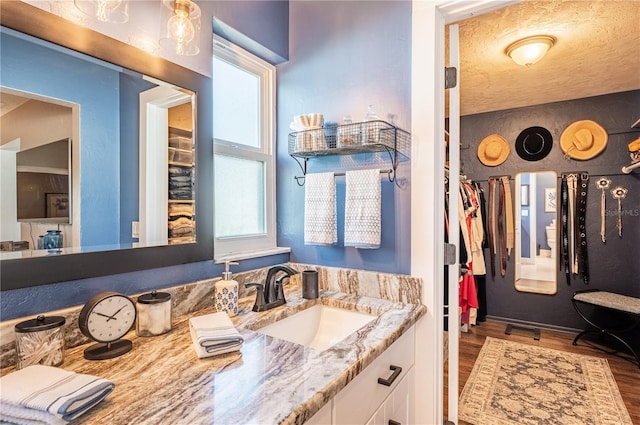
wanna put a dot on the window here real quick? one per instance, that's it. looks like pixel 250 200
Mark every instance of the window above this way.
pixel 244 150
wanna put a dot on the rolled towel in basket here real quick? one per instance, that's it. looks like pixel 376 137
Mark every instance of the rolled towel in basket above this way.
pixel 214 334
pixel 41 394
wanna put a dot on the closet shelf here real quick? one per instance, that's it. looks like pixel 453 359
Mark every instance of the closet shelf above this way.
pixel 351 139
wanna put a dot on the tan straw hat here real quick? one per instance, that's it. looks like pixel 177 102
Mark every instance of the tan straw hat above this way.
pixel 493 150
pixel 583 140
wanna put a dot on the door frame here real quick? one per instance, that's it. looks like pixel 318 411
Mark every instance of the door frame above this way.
pixel 427 188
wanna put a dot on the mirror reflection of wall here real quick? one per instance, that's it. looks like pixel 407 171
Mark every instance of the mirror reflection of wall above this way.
pixel 43 182
pixel 96 106
pixel 536 230
pixel 35 144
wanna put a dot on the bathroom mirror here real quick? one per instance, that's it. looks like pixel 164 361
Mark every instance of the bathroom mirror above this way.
pixel 116 197
pixel 536 230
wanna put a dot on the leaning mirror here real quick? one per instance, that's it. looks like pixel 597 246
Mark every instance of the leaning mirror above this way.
pixel 536 229
pixel 99 154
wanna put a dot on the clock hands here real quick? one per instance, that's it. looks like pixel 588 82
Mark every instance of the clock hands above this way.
pixel 113 316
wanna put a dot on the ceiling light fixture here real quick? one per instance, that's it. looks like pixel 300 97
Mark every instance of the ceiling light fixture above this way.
pixel 114 11
pixel 181 23
pixel 530 50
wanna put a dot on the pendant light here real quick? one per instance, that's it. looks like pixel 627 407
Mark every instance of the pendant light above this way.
pixel 181 27
pixel 530 50
pixel 114 11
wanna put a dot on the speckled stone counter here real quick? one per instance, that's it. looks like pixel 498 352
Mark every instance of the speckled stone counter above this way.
pixel 270 381
pixel 191 297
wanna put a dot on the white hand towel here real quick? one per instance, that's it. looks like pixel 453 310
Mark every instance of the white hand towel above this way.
pixel 41 394
pixel 320 217
pixel 362 221
pixel 214 334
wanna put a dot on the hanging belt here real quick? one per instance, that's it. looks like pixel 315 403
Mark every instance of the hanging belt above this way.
pixel 511 235
pixel 492 224
pixel 583 260
pixel 571 182
pixel 501 230
pixel 483 213
pixel 564 227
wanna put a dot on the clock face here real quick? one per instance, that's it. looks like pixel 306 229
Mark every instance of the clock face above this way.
pixel 108 317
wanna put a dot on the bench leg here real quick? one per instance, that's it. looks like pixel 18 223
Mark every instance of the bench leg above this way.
pixel 575 340
pixel 600 330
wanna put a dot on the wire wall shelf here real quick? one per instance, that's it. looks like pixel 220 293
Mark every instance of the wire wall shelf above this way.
pixel 351 139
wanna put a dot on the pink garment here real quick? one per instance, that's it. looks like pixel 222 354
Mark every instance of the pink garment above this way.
pixel 467 294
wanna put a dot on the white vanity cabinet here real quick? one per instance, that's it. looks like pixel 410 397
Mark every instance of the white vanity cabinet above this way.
pixel 366 401
pixel 397 409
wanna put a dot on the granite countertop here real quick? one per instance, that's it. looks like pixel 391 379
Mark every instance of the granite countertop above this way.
pixel 270 381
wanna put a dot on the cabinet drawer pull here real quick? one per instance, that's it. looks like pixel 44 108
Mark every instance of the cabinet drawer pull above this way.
pixel 389 381
pixel 392 422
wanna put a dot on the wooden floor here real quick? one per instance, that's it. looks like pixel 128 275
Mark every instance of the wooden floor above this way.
pixel 627 374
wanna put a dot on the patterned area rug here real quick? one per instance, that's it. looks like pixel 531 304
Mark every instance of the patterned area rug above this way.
pixel 521 384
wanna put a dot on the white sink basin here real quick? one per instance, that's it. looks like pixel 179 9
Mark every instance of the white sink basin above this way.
pixel 319 327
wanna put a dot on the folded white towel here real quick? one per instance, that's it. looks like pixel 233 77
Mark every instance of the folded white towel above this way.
pixel 362 221
pixel 214 334
pixel 41 394
pixel 320 218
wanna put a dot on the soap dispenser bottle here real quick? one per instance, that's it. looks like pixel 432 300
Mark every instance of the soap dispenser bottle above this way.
pixel 225 292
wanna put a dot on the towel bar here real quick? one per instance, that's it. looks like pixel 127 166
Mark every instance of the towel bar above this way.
pixel 390 173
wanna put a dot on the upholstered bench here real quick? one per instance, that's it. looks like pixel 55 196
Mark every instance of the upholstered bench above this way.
pixel 626 305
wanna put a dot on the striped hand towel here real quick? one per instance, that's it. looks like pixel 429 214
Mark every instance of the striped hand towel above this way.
pixel 362 217
pixel 49 395
pixel 320 218
pixel 214 334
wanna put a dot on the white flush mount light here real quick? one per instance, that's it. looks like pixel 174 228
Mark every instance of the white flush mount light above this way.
pixel 530 50
pixel 180 27
pixel 114 11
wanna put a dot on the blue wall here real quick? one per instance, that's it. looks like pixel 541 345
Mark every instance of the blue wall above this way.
pixel 130 88
pixel 345 55
pixel 543 181
pixel 33 68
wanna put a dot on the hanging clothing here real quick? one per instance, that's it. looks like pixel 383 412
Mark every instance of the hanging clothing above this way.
pixel 468 297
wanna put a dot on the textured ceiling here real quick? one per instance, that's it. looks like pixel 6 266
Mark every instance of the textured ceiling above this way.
pixel 597 52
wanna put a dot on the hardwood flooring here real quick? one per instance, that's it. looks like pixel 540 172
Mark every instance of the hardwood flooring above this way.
pixel 627 374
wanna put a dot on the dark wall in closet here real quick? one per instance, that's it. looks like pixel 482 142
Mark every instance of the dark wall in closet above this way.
pixel 614 266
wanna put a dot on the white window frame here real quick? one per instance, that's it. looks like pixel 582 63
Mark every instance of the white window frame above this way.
pixel 240 247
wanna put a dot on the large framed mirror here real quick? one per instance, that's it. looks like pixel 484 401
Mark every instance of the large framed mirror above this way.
pixel 536 233
pixel 119 176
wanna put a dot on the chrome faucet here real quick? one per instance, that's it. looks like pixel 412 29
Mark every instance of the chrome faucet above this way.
pixel 271 294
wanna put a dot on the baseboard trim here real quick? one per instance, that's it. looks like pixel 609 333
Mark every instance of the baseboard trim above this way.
pixel 546 326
